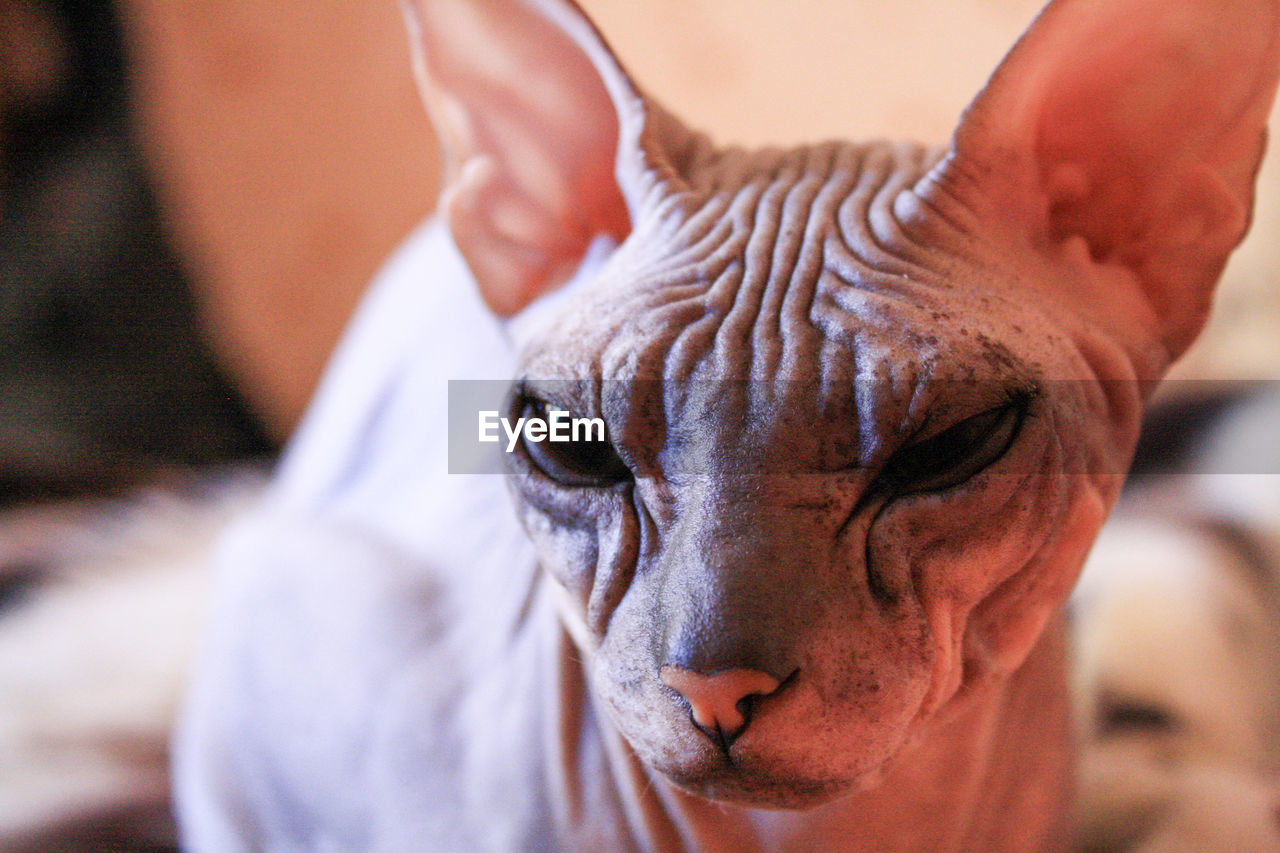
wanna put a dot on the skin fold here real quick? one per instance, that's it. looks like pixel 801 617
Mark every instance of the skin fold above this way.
pixel 867 407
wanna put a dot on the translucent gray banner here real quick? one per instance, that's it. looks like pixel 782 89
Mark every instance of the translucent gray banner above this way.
pixel 1192 426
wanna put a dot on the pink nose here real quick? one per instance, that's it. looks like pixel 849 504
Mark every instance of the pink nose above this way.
pixel 717 700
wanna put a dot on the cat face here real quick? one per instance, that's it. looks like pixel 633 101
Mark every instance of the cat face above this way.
pixel 866 405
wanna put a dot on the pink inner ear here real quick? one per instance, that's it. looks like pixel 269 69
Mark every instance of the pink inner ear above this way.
pixel 1137 125
pixel 1134 143
pixel 519 92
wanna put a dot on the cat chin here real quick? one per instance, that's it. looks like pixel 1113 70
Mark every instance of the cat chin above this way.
pixel 756 786
pixel 764 793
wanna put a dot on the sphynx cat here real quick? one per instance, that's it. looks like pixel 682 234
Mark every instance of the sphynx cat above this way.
pixel 867 406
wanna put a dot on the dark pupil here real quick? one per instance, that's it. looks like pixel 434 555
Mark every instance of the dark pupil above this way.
pixel 588 461
pixel 956 454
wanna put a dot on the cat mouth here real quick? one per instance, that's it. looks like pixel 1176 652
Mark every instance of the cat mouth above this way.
pixel 787 753
pixel 750 774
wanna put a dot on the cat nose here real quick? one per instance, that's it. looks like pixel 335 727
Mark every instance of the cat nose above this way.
pixel 720 703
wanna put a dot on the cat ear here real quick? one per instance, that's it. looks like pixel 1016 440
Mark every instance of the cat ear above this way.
pixel 1132 127
pixel 541 130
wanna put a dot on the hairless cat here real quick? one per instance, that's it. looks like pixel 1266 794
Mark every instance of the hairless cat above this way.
pixel 867 406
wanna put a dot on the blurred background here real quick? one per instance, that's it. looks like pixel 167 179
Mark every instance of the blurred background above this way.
pixel 194 194
pixel 290 154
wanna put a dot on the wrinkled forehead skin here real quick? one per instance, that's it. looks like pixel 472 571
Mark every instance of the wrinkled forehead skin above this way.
pixel 760 345
pixel 777 305
pixel 778 331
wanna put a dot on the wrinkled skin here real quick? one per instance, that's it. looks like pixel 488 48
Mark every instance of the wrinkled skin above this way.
pixel 778 329
pixel 867 407
pixel 756 532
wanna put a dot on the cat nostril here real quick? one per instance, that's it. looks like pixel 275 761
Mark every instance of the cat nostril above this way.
pixel 720 703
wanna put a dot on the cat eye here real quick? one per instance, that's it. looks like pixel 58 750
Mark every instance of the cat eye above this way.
pixel 582 457
pixel 956 454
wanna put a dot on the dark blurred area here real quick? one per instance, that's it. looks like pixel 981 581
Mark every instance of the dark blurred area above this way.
pixel 105 376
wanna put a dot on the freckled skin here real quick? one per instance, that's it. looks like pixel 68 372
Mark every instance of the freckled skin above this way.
pixel 759 454
pixel 868 406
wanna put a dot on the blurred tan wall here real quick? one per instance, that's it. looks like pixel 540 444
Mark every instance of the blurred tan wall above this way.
pixel 296 155
pixel 293 155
